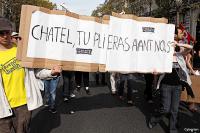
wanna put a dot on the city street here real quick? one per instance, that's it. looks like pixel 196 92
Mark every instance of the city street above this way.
pixel 103 113
pixel 129 43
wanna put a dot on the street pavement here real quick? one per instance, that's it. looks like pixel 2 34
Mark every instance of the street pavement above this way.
pixel 101 112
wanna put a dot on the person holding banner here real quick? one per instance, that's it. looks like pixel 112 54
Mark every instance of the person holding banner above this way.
pixel 19 87
pixel 79 76
pixel 149 78
pixel 50 86
pixel 113 83
pixel 129 79
pixel 101 79
pixel 68 85
pixel 171 86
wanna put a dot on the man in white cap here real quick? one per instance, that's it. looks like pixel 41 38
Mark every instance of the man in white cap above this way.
pixel 15 37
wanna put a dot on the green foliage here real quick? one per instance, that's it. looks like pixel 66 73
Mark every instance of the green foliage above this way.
pixel 111 6
pixel 104 9
pixel 164 8
pixel 114 6
pixel 12 8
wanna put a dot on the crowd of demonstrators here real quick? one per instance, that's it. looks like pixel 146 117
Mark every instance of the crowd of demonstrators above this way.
pixel 19 87
pixel 170 84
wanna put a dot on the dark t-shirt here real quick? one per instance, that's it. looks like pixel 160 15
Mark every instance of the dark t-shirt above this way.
pixel 172 78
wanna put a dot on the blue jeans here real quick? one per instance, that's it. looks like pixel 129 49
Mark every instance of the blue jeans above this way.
pixel 170 98
pixel 130 81
pixel 50 91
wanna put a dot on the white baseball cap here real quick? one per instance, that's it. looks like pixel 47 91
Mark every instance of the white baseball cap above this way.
pixel 15 34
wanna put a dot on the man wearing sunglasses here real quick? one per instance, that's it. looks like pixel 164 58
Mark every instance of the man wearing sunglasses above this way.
pixel 19 87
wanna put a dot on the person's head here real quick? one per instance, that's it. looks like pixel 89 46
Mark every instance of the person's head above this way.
pixel 5 32
pixel 15 37
pixel 179 34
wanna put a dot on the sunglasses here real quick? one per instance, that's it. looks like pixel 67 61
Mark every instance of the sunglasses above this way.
pixel 3 33
pixel 17 38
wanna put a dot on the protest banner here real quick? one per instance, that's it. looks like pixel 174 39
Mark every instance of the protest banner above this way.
pixel 139 44
pixel 123 43
pixel 53 37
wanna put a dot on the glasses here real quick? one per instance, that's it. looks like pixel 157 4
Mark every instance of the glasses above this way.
pixel 3 33
pixel 16 37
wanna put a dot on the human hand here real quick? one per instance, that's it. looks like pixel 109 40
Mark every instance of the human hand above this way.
pixel 56 70
pixel 155 72
pixel 174 44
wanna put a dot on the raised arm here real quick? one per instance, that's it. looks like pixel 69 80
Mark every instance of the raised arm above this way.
pixel 187 48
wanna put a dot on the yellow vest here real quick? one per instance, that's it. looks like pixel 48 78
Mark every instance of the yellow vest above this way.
pixel 13 78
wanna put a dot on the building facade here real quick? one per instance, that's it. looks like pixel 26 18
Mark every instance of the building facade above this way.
pixel 189 14
pixel 190 18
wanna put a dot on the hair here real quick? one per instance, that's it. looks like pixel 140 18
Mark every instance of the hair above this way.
pixel 177 49
pixel 176 30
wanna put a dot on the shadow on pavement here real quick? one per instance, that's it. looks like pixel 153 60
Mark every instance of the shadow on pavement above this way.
pixel 45 122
